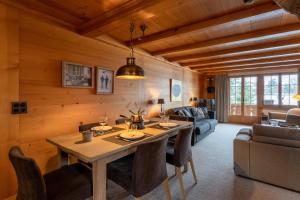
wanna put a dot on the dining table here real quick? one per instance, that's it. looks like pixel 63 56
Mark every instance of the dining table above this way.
pixel 107 148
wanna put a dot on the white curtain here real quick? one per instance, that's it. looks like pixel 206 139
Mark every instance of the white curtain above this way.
pixel 222 97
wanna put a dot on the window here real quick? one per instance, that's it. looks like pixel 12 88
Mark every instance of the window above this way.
pixel 271 92
pixel 280 89
pixel 250 96
pixel 235 96
pixel 289 88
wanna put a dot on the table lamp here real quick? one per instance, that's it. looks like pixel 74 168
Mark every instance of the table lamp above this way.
pixel 297 98
pixel 161 102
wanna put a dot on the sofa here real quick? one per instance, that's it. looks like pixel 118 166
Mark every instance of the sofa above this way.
pixel 292 117
pixel 203 125
pixel 269 154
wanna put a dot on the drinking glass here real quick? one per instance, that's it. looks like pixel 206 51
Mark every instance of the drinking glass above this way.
pixel 103 122
pixel 134 127
pixel 167 118
pixel 128 123
pixel 162 116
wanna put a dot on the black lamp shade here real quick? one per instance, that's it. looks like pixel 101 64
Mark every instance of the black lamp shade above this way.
pixel 161 101
pixel 130 70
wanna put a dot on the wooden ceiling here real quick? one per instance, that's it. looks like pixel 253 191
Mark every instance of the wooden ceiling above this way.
pixel 210 36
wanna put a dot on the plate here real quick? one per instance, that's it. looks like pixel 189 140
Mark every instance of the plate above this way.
pixel 168 124
pixel 132 135
pixel 99 128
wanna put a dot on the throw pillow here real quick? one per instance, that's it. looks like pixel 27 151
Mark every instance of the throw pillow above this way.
pixel 180 113
pixel 205 112
pixel 200 114
pixel 187 113
pixel 194 112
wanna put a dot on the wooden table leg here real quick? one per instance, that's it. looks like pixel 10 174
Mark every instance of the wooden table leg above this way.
pixel 63 158
pixel 99 180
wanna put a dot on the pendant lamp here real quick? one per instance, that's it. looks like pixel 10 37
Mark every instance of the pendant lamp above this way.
pixel 131 70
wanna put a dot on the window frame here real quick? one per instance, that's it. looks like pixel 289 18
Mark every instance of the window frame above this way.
pixel 280 105
pixel 242 95
pixel 230 94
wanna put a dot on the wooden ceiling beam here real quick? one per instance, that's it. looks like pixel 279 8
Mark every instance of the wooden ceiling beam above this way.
pixel 236 59
pixel 253 68
pixel 235 17
pixel 44 11
pixel 238 51
pixel 261 34
pixel 252 64
pixel 93 27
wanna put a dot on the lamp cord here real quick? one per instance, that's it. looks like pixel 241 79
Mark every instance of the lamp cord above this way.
pixel 132 28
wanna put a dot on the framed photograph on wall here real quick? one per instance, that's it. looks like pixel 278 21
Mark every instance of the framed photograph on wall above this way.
pixel 105 81
pixel 76 75
pixel 176 90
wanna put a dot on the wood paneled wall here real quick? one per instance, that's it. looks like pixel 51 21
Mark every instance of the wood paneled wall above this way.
pixel 9 90
pixel 31 71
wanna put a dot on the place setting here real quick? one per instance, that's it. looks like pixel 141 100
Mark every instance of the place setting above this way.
pixel 97 129
pixel 164 123
pixel 132 134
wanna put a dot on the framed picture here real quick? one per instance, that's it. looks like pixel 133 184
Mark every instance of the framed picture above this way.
pixel 77 75
pixel 176 90
pixel 105 81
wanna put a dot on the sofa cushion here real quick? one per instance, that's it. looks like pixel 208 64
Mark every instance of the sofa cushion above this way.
pixel 203 126
pixel 276 132
pixel 293 119
pixel 245 131
pixel 212 122
pixel 277 135
pixel 277 141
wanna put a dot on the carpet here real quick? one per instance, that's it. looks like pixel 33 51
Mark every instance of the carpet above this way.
pixel 213 157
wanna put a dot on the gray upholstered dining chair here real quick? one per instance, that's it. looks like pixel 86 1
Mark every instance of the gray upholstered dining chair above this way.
pixel 120 121
pixel 73 182
pixel 180 154
pixel 85 127
pixel 141 172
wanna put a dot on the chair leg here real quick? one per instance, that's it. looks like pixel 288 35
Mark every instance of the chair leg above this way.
pixel 179 174
pixel 167 189
pixel 185 168
pixel 193 170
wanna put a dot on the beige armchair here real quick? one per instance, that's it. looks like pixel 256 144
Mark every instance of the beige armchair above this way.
pixel 269 154
pixel 291 117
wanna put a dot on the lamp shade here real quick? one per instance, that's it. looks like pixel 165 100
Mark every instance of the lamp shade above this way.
pixel 161 101
pixel 296 97
pixel 130 70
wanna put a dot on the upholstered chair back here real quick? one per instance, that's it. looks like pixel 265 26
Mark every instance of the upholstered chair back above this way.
pixel 86 127
pixel 31 184
pixel 149 166
pixel 120 121
pixel 182 148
